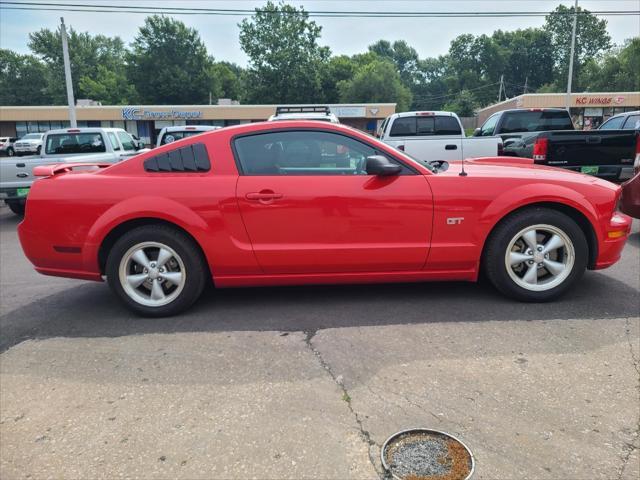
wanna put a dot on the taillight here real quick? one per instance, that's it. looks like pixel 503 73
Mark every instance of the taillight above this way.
pixel 540 149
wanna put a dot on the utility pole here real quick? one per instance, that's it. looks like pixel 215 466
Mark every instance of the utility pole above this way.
pixel 573 48
pixel 67 75
pixel 526 80
pixel 501 88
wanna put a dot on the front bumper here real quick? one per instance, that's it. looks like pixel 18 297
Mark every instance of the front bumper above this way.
pixel 617 233
pixel 26 149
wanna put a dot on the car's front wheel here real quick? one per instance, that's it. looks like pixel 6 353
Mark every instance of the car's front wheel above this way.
pixel 10 152
pixel 536 255
pixel 156 270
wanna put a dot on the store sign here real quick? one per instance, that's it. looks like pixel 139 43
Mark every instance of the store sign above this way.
pixel 599 100
pixel 345 112
pixel 136 113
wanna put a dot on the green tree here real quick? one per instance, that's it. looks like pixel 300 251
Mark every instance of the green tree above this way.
pixel 168 63
pixel 378 81
pixel 592 39
pixel 110 87
pixel 402 55
pixel 336 70
pixel 225 77
pixel 23 80
pixel 285 59
pixel 86 54
pixel 464 104
pixel 618 70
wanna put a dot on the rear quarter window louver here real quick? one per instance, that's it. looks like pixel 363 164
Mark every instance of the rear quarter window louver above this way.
pixel 192 158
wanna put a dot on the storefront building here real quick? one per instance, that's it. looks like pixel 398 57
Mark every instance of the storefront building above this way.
pixel 146 121
pixel 588 110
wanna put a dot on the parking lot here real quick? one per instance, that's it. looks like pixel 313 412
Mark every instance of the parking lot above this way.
pixel 309 382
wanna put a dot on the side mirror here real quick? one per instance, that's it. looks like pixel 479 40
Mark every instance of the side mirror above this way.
pixel 380 165
pixel 476 132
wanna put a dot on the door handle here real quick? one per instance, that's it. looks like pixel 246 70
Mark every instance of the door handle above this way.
pixel 20 165
pixel 451 147
pixel 263 196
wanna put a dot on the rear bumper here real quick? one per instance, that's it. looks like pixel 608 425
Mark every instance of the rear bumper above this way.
pixel 11 194
pixel 613 173
pixel 56 260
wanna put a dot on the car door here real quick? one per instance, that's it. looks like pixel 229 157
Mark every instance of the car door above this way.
pixel 309 206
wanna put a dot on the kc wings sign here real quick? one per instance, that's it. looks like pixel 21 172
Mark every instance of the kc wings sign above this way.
pixel 139 113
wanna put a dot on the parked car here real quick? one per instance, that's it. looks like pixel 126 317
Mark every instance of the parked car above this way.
pixel 178 132
pixel 630 199
pixel 6 146
pixel 309 203
pixel 622 121
pixel 107 145
pixel 319 113
pixel 547 136
pixel 30 144
pixel 429 136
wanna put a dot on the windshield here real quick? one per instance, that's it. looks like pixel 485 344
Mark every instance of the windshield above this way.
pixel 171 137
pixel 75 143
pixel 32 136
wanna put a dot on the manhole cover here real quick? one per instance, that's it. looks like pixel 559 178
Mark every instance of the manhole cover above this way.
pixel 424 454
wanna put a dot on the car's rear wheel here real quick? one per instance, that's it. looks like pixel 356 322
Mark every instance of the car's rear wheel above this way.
pixel 10 152
pixel 16 206
pixel 156 270
pixel 38 150
pixel 536 255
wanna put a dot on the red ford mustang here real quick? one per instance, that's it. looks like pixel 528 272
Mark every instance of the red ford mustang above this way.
pixel 311 202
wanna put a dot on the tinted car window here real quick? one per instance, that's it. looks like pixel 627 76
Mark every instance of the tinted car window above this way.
pixel 425 126
pixel 632 123
pixel 127 141
pixel 447 126
pixel 403 127
pixel 489 126
pixel 537 121
pixel 61 143
pixel 302 153
pixel 613 123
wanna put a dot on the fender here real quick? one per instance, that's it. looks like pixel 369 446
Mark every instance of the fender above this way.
pixel 529 194
pixel 138 207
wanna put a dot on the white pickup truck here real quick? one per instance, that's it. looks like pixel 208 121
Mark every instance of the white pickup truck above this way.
pixel 104 145
pixel 435 136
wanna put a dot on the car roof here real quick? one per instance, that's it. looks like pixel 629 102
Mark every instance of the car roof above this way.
pixel 85 130
pixel 423 113
pixel 626 114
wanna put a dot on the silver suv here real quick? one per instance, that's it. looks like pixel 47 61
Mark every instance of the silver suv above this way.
pixel 30 144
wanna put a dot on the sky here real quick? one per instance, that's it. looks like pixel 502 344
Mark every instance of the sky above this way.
pixel 429 36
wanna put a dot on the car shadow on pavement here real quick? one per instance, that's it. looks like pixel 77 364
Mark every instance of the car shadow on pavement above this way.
pixel 90 310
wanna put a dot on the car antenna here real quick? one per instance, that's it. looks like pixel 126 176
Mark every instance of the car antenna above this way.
pixel 462 172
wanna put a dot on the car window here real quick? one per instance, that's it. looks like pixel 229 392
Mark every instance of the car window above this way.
pixel 383 127
pixel 170 137
pixel 447 126
pixel 303 153
pixel 632 123
pixel 535 121
pixel 489 126
pixel 114 141
pixel 403 127
pixel 61 143
pixel 425 126
pixel 613 123
pixel 127 141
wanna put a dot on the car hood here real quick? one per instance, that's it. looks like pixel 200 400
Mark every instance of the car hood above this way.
pixel 524 168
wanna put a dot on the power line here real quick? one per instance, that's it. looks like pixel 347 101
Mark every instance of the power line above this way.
pixel 83 7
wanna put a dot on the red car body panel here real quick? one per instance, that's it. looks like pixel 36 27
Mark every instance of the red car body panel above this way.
pixel 319 229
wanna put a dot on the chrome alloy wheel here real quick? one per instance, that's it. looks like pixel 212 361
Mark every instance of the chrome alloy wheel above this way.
pixel 152 274
pixel 540 257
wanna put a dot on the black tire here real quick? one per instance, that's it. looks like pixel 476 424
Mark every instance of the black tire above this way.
pixel 16 206
pixel 195 269
pixel 18 154
pixel 38 150
pixel 10 152
pixel 498 243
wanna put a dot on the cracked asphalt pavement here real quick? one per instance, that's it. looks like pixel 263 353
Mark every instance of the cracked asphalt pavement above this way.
pixel 309 382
